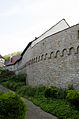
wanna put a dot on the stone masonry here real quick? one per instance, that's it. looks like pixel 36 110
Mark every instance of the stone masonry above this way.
pixel 54 60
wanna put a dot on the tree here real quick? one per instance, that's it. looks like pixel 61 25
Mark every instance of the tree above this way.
pixel 6 57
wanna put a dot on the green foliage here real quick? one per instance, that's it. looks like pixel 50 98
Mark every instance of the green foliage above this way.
pixel 16 53
pixel 2 70
pixel 3 80
pixel 51 92
pixel 27 91
pixel 31 91
pixel 61 93
pixel 20 77
pixel 53 100
pixel 73 97
pixel 11 80
pixel 5 74
pixel 6 57
pixel 70 87
pixel 1 93
pixel 12 106
pixel 13 85
pixel 40 90
pixel 61 108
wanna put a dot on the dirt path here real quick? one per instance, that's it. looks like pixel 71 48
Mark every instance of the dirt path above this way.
pixel 33 111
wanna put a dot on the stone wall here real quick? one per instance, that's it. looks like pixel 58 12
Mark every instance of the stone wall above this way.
pixel 54 60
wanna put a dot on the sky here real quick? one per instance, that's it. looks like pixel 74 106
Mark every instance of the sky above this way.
pixel 23 20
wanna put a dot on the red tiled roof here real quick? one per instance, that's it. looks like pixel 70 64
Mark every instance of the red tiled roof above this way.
pixel 13 60
pixel 1 56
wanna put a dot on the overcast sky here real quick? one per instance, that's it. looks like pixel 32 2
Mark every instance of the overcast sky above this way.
pixel 23 20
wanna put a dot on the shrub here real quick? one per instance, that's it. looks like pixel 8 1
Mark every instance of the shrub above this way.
pixel 40 90
pixel 12 106
pixel 5 73
pixel 73 97
pixel 3 70
pixel 27 91
pixel 3 79
pixel 61 108
pixel 18 78
pixel 50 92
pixel 1 93
pixel 70 87
pixel 61 93
pixel 13 85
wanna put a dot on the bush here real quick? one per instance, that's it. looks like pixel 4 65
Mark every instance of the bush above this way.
pixel 18 78
pixel 40 90
pixel 27 91
pixel 5 73
pixel 13 85
pixel 3 79
pixel 70 87
pixel 3 70
pixel 73 97
pixel 31 91
pixel 61 93
pixel 61 108
pixel 12 106
pixel 50 92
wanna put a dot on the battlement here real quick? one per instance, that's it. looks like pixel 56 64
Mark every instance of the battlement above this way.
pixel 53 60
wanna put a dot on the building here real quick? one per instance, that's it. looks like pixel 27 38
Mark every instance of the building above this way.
pixel 52 59
pixel 1 61
pixel 11 62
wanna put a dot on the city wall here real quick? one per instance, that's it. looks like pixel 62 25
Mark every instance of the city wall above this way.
pixel 54 60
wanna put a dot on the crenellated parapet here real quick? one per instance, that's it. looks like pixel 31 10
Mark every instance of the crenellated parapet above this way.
pixel 54 54
pixel 53 60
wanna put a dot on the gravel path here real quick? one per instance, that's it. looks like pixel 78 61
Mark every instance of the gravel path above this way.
pixel 33 111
